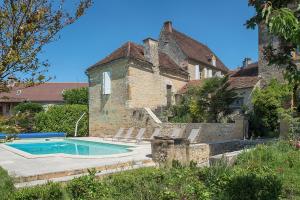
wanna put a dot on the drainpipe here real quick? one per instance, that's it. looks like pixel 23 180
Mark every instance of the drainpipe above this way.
pixel 76 126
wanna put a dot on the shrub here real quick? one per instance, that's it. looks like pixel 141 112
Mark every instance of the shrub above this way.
pixel 6 185
pixel 253 185
pixel 76 96
pixel 62 118
pixel 24 115
pixel 50 191
pixel 28 107
pixel 268 103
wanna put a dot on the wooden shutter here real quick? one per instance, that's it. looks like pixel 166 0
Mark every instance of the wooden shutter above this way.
pixel 197 72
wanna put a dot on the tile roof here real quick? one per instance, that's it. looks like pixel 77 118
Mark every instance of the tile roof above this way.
pixel 250 70
pixel 167 64
pixel 243 82
pixel 196 50
pixel 132 50
pixel 46 92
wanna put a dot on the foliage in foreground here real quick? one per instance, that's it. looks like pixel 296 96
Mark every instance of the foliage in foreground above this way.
pixel 6 185
pixel 267 172
pixel 207 103
pixel 268 105
pixel 62 118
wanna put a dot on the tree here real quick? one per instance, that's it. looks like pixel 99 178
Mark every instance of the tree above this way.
pixel 211 102
pixel 76 96
pixel 26 26
pixel 208 103
pixel 281 18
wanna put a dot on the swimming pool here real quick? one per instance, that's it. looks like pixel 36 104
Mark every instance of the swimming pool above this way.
pixel 70 147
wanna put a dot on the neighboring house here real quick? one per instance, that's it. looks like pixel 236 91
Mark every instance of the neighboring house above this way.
pixel 244 80
pixel 136 76
pixel 45 94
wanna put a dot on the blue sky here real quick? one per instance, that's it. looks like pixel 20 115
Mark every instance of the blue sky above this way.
pixel 109 23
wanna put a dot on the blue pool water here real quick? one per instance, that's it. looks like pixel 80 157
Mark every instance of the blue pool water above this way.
pixel 68 146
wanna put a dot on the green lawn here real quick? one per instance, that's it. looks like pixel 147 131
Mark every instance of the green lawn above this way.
pixel 267 172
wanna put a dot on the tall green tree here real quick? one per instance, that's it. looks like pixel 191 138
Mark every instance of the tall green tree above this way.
pixel 26 26
pixel 281 18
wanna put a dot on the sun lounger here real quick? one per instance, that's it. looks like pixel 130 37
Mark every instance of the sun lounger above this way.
pixel 118 134
pixel 139 136
pixel 155 133
pixel 193 135
pixel 176 133
pixel 128 134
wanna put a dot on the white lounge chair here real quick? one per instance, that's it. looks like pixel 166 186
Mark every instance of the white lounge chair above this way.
pixel 128 134
pixel 193 135
pixel 155 133
pixel 118 134
pixel 176 133
pixel 139 136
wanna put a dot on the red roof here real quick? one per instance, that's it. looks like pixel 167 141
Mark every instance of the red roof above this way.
pixel 250 70
pixel 46 92
pixel 196 50
pixel 243 82
pixel 132 50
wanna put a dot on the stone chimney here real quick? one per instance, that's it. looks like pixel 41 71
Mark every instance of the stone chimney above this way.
pixel 151 51
pixel 168 26
pixel 246 62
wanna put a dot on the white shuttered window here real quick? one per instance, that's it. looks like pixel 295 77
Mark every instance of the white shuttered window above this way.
pixel 209 73
pixel 106 82
pixel 197 72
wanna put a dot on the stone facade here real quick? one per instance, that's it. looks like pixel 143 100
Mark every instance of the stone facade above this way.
pixel 265 71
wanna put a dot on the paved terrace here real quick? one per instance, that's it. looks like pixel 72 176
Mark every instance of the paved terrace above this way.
pixel 26 170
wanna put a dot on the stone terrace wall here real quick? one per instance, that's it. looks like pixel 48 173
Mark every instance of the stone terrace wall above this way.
pixel 209 132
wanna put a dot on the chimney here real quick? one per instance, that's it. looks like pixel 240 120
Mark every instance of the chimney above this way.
pixel 168 26
pixel 151 51
pixel 246 62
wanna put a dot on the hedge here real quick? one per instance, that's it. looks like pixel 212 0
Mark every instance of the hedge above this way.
pixel 62 118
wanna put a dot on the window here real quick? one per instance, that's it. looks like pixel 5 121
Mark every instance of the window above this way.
pixel 205 72
pixel 209 75
pixel 106 84
pixel 197 72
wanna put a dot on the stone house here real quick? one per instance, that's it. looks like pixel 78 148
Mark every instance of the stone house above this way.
pixel 244 81
pixel 146 76
pixel 46 94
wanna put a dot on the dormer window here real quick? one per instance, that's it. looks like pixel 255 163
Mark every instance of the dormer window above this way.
pixel 214 61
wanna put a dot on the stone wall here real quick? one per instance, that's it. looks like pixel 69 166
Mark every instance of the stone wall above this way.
pixel 265 71
pixel 165 150
pixel 107 112
pixel 209 132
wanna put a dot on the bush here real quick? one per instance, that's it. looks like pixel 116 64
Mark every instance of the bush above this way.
pixel 62 118
pixel 28 107
pixel 76 96
pixel 24 115
pixel 253 185
pixel 268 103
pixel 6 185
pixel 50 191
